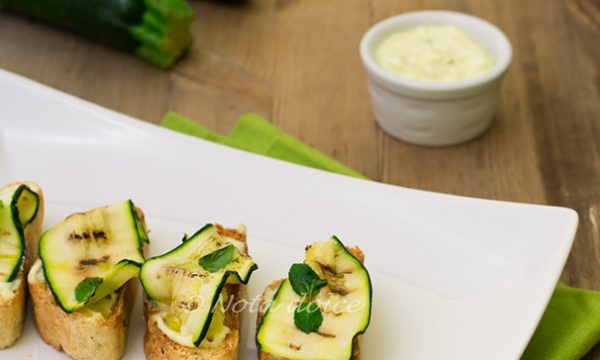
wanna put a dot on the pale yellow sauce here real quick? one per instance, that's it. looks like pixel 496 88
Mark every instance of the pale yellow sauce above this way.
pixel 217 330
pixel 36 273
pixel 9 289
pixel 434 53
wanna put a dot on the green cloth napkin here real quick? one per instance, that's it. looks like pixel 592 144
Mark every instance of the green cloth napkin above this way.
pixel 570 326
pixel 254 134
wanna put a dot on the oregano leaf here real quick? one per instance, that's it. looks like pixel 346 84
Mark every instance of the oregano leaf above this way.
pixel 308 317
pixel 218 259
pixel 87 288
pixel 304 280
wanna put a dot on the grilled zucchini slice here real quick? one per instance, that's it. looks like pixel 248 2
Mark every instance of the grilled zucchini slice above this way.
pixel 188 281
pixel 91 254
pixel 344 304
pixel 18 207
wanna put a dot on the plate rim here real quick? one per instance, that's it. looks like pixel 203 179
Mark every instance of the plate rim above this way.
pixel 108 115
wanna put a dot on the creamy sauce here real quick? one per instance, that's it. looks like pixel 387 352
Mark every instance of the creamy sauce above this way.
pixel 36 275
pixel 435 53
pixel 8 289
pixel 217 330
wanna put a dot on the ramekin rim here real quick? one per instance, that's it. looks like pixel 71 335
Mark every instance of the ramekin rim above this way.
pixel 500 66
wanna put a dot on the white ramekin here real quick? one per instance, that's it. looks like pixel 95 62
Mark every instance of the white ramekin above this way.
pixel 435 114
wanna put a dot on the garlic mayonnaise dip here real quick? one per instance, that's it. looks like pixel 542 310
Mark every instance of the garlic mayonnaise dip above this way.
pixel 8 289
pixel 434 53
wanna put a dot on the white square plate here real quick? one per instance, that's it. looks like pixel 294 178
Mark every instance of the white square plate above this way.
pixel 453 277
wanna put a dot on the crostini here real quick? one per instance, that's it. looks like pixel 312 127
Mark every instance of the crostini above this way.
pixel 320 310
pixel 193 295
pixel 83 285
pixel 21 217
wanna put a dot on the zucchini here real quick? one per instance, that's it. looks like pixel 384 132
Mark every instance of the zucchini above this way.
pixel 343 300
pixel 89 255
pixel 156 30
pixel 189 280
pixel 19 205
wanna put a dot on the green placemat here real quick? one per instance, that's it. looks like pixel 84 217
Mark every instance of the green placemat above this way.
pixel 570 326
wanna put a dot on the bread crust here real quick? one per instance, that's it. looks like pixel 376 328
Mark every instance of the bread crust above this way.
pixel 12 315
pixel 357 252
pixel 158 346
pixel 83 334
pixel 12 310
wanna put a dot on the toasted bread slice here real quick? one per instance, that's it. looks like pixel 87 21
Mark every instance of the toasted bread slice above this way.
pixel 158 346
pixel 268 295
pixel 88 333
pixel 12 307
pixel 12 314
pixel 83 334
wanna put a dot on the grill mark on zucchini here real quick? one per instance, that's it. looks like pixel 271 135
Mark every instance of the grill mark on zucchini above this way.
pixel 326 335
pixel 331 271
pixel 85 235
pixel 188 305
pixel 338 290
pixel 172 270
pixel 92 262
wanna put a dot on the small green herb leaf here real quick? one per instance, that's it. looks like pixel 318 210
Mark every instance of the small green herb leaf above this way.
pixel 217 260
pixel 87 288
pixel 305 280
pixel 308 317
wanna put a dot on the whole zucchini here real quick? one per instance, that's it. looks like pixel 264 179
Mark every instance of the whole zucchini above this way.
pixel 156 30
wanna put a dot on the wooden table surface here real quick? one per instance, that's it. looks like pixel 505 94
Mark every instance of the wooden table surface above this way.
pixel 296 62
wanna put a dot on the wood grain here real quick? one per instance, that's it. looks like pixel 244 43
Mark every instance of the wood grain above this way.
pixel 296 62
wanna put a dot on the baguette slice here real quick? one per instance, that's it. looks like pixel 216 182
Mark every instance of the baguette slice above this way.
pixel 12 314
pixel 268 294
pixel 158 346
pixel 84 334
pixel 12 308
